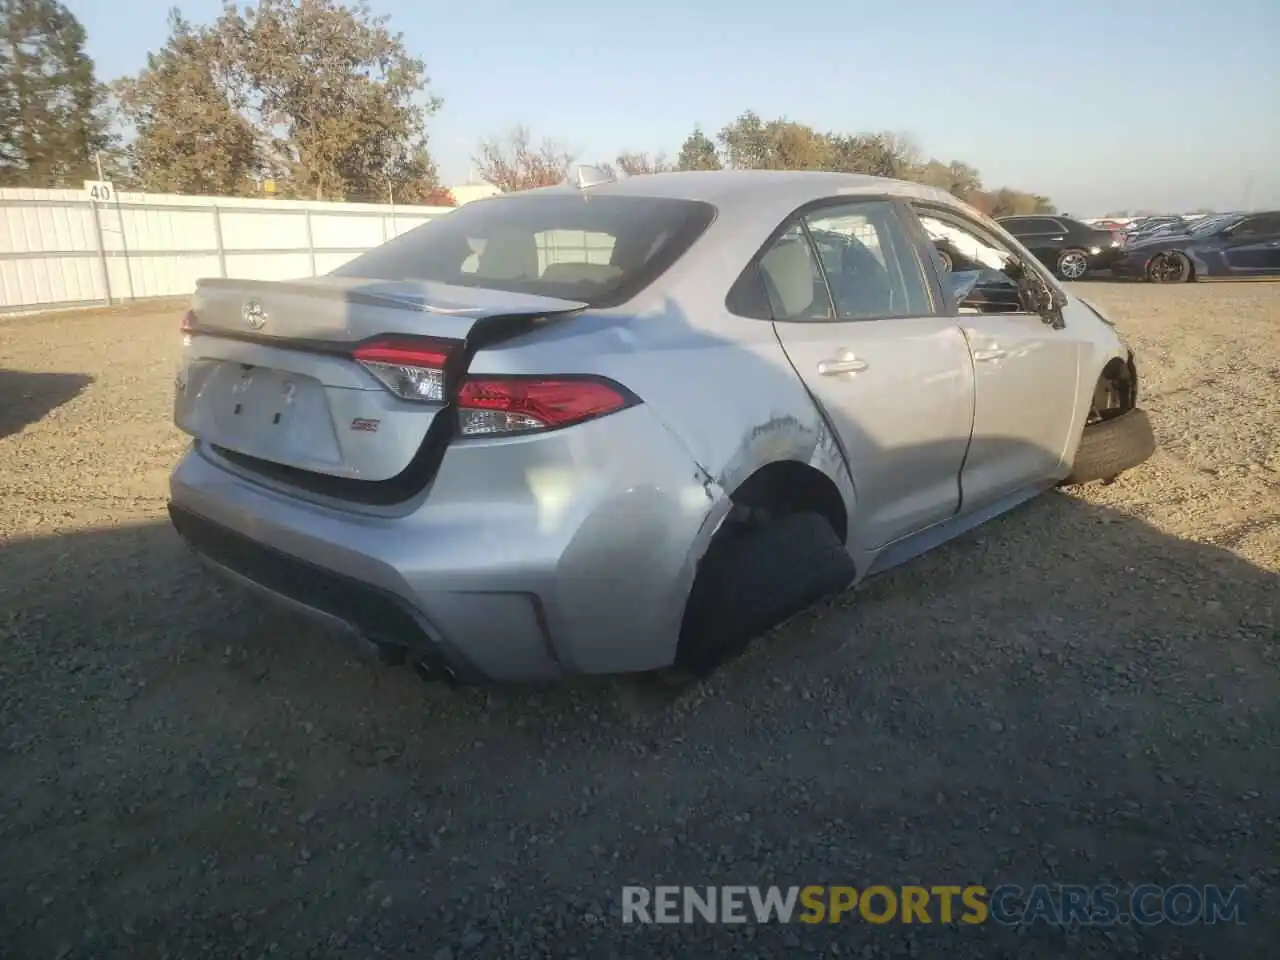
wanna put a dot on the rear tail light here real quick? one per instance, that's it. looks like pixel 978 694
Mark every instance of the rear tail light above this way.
pixel 189 322
pixel 500 405
pixel 414 368
pixel 410 367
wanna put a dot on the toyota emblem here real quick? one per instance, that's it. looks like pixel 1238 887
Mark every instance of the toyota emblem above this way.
pixel 254 315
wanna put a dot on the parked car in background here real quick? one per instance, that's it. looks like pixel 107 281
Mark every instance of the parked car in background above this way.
pixel 1167 228
pixel 1225 246
pixel 1068 246
pixel 619 425
pixel 1156 226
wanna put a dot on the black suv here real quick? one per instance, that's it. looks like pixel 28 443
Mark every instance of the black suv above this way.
pixel 1069 247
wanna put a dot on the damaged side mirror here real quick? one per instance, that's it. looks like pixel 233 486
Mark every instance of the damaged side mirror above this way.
pixel 1036 294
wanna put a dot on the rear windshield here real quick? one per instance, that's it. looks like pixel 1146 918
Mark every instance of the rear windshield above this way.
pixel 599 249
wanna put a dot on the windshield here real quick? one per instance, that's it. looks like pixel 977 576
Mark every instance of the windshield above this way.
pixel 601 250
pixel 1210 224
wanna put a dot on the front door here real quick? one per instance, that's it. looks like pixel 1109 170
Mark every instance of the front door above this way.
pixel 1253 246
pixel 1025 377
pixel 856 317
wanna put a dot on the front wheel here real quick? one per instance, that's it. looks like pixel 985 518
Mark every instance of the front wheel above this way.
pixel 1110 447
pixel 1073 264
pixel 1169 268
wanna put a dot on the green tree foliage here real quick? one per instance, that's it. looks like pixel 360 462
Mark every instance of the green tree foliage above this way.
pixel 53 121
pixel 698 153
pixel 752 143
pixel 749 143
pixel 191 132
pixel 322 98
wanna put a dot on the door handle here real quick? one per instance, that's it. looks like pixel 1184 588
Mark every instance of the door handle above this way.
pixel 844 364
pixel 995 353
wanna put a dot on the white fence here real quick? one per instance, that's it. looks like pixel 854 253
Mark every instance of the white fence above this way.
pixel 59 248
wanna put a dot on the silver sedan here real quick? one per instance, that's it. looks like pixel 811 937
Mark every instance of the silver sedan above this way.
pixel 624 425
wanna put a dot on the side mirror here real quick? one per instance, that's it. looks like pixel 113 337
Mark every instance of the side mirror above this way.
pixel 1037 295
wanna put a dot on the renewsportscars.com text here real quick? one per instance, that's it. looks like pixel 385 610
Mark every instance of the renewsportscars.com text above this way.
pixel 1008 904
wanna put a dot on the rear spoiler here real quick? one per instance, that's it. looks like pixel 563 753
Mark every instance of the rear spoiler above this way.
pixel 307 288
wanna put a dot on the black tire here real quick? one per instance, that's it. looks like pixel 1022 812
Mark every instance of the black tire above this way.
pixel 752 581
pixel 947 264
pixel 1072 264
pixel 1109 448
pixel 1173 267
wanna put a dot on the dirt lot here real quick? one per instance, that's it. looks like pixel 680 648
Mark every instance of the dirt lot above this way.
pixel 1085 691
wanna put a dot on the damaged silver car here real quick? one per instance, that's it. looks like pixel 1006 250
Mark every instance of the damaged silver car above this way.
pixel 621 425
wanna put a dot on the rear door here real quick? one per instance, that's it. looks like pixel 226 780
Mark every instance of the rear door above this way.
pixel 857 319
pixel 1253 246
pixel 1025 376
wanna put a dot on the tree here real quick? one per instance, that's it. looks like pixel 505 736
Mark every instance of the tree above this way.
pixel 958 179
pixel 633 164
pixel 698 153
pixel 440 197
pixel 874 154
pixel 794 146
pixel 320 98
pixel 1009 203
pixel 191 134
pixel 52 117
pixel 752 144
pixel 343 91
pixel 514 162
pixel 746 143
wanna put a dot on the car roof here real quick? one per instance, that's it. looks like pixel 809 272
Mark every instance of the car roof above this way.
pixel 720 187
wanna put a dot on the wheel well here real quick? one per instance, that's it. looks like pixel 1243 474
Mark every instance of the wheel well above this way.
pixel 787 487
pixel 1116 391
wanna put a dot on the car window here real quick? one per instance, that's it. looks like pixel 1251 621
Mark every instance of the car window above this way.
pixel 1213 224
pixel 598 249
pixel 973 260
pixel 1263 225
pixel 871 266
pixel 792 279
pixel 1030 225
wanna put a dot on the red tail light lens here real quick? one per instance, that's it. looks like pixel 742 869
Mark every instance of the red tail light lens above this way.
pixel 499 405
pixel 410 367
pixel 189 322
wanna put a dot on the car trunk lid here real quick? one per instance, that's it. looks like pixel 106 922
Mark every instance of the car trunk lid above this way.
pixel 271 371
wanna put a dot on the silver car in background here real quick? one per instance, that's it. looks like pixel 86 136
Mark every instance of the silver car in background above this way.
pixel 617 426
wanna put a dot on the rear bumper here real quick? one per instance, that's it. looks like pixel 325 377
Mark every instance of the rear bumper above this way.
pixel 369 612
pixel 530 558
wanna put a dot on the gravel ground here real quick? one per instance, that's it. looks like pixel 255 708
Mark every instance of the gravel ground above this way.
pixel 1084 691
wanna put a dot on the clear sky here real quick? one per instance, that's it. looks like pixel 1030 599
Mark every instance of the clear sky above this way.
pixel 1101 104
